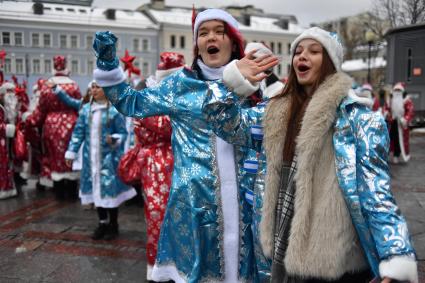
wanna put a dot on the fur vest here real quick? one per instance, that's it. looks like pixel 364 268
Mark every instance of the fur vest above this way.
pixel 323 242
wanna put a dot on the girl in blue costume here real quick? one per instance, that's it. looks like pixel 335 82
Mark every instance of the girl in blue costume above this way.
pixel 328 212
pixel 102 129
pixel 203 234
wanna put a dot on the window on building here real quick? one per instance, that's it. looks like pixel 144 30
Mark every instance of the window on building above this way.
pixel 75 67
pixel 36 66
pixel 145 44
pixel 7 66
pixel 288 68
pixel 279 70
pixel 145 69
pixel 18 39
pixel 47 66
pixel 182 42
pixel 74 41
pixel 35 39
pixel 289 49
pixel 90 67
pixel 5 38
pixel 62 41
pixel 409 64
pixel 47 40
pixel 89 42
pixel 279 48
pixel 272 46
pixel 19 66
pixel 136 44
pixel 173 41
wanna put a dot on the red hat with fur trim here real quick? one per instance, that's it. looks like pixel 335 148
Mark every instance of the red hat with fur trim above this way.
pixel 169 62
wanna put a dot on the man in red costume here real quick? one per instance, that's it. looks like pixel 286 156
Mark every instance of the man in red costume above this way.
pixel 401 114
pixel 57 121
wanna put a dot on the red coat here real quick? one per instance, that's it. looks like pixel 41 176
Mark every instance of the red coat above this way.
pixel 57 122
pixel 403 126
pixel 7 187
pixel 155 159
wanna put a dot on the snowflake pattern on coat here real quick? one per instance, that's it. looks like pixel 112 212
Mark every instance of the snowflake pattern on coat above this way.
pixel 57 122
pixel 155 158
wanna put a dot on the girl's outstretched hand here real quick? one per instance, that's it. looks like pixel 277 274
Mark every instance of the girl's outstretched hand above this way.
pixel 254 69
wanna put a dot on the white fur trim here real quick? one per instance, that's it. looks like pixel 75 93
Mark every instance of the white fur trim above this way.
pixel 70 155
pixel 149 269
pixel 261 49
pixel 161 74
pixel 234 80
pixel 404 157
pixel 229 205
pixel 8 194
pixel 273 89
pixel 58 89
pixel 109 78
pixel 10 130
pixel 56 176
pixel 61 80
pixel 44 181
pixel 167 272
pixel 402 268
pixel 25 115
pixel 328 40
pixel 213 14
pixel 360 99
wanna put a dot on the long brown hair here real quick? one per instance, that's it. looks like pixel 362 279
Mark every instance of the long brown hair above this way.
pixel 299 101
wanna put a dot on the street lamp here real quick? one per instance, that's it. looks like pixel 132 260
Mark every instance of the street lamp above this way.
pixel 370 37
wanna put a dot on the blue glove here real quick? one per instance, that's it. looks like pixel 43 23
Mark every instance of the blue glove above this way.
pixel 105 50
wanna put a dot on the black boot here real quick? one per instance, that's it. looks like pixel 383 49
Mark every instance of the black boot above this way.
pixel 100 231
pixel 112 232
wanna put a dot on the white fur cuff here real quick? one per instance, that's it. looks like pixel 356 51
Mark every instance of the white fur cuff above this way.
pixel 402 268
pixel 10 130
pixel 109 78
pixel 234 80
pixel 70 155
pixel 273 89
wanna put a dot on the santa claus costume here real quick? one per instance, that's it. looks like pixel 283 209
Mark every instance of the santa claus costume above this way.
pixel 7 130
pixel 31 167
pixel 57 121
pixel 402 113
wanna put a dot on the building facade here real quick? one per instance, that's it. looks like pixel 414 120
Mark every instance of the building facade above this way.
pixel 32 33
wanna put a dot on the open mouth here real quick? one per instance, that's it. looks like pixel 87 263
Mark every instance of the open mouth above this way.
pixel 303 68
pixel 213 50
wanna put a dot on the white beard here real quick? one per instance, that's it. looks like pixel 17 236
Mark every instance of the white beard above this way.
pixel 397 105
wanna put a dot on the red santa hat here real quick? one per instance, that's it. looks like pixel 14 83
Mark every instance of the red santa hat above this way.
pixel 399 86
pixel 169 63
pixel 59 64
pixel 220 15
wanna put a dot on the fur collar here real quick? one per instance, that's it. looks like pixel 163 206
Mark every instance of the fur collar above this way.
pixel 318 119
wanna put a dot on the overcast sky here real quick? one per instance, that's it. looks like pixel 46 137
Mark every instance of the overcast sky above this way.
pixel 307 11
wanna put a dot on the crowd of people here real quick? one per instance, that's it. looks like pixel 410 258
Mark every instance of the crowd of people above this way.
pixel 245 177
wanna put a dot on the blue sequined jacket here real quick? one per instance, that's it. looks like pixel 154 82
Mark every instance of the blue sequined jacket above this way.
pixel 358 140
pixel 191 233
pixel 112 123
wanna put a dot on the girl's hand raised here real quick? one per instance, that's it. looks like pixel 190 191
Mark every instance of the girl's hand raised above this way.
pixel 254 69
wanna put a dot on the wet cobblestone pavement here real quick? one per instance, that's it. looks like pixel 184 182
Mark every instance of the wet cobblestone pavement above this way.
pixel 43 239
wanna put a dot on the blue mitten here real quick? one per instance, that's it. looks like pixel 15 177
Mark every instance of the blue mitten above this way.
pixel 105 50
